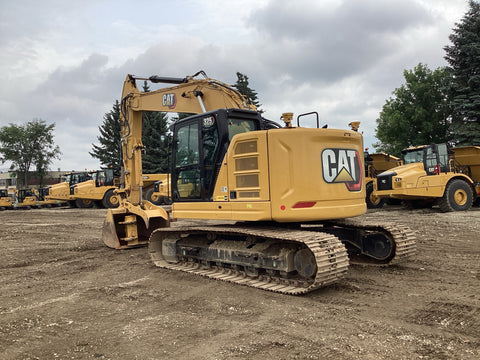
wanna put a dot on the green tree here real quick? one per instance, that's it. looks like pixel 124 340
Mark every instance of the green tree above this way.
pixel 242 86
pixel 109 151
pixel 156 140
pixel 463 57
pixel 31 144
pixel 418 113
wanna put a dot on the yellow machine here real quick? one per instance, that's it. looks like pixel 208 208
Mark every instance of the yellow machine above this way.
pixel 285 187
pixel 5 200
pixel 374 165
pixel 41 201
pixel 160 192
pixel 100 188
pixel 434 174
pixel 25 198
pixel 63 191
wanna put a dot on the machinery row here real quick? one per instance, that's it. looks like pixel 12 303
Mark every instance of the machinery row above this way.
pixel 284 198
pixel 85 189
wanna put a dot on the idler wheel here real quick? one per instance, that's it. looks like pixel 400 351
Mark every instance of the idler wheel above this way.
pixel 305 263
pixel 378 246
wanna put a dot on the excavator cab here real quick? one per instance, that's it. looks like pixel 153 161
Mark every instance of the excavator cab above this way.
pixel 200 144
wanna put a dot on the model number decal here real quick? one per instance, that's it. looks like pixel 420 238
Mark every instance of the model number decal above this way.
pixel 342 166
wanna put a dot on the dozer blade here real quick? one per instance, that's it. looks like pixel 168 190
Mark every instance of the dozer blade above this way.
pixel 130 226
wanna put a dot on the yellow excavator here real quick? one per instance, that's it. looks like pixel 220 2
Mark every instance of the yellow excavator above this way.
pixel 289 189
pixel 5 200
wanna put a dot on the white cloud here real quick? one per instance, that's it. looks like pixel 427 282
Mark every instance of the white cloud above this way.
pixel 65 62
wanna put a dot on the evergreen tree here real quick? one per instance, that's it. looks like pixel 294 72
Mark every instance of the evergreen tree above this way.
pixel 464 60
pixel 109 152
pixel 242 86
pixel 418 114
pixel 156 140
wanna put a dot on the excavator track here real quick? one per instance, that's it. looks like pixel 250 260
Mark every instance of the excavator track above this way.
pixel 329 254
pixel 402 239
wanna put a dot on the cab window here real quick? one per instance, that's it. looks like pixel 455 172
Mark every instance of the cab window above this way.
pixel 187 166
pixel 238 126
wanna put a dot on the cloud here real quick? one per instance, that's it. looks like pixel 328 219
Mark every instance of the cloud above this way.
pixel 65 62
pixel 315 42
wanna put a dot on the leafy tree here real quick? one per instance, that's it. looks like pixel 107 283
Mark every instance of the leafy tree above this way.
pixel 109 152
pixel 464 60
pixel 242 86
pixel 28 145
pixel 418 113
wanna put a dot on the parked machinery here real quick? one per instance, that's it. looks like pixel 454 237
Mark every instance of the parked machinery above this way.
pixel 25 198
pixel 62 191
pixel 98 189
pixel 374 165
pixel 6 201
pixel 160 193
pixel 434 174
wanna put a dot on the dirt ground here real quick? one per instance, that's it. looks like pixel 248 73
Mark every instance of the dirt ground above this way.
pixel 64 295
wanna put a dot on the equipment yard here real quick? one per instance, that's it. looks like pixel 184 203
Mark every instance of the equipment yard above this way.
pixel 65 295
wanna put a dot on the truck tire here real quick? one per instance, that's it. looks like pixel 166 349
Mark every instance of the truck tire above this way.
pixel 458 196
pixel 84 203
pixel 110 200
pixel 373 202
pixel 154 199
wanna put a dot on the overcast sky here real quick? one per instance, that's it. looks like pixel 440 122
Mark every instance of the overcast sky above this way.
pixel 65 61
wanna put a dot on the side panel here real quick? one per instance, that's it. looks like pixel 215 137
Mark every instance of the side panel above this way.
pixel 248 174
pixel 316 174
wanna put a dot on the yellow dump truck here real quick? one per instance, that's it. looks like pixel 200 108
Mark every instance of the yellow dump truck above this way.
pixel 434 174
pixel 63 190
pixel 100 189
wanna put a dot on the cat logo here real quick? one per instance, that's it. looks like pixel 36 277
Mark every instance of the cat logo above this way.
pixel 342 166
pixel 169 100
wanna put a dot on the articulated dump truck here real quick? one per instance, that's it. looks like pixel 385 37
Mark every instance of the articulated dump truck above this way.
pixel 434 174
pixel 289 190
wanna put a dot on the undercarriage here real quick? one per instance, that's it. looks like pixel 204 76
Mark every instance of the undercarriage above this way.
pixel 286 260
